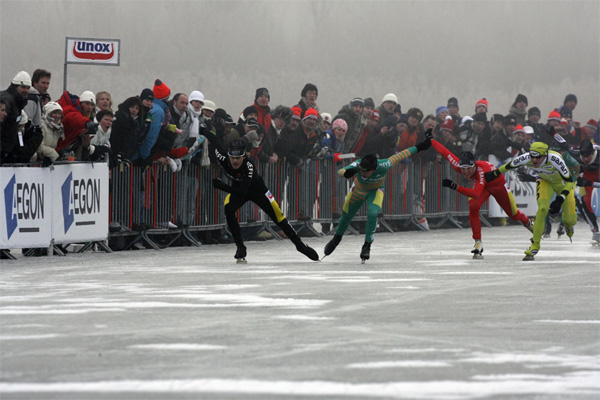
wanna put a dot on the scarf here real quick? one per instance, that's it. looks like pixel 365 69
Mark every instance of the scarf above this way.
pixel 195 132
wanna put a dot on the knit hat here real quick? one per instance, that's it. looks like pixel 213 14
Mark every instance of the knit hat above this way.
pixel 528 130
pixel 497 118
pixel 220 114
pixel 196 96
pixel 209 105
pixel 566 113
pixel 375 115
pixel 570 97
pixel 564 122
pixel 87 96
pixel 52 106
pixel 482 102
pixel 390 97
pixel 510 120
pixel 403 119
pixel 466 159
pixel 534 111
pixel 339 123
pixel 520 98
pixel 448 124
pixel 160 90
pixel 297 113
pixel 249 110
pixel 260 92
pixel 592 124
pixel 440 110
pixel 538 149
pixel 308 87
pixel 357 101
pixel 22 79
pixel 480 117
pixel 554 116
pixel 397 109
pixel 369 102
pixel 147 95
pixel 415 113
pixel 311 113
pixel 326 117
pixel 586 147
pixel 519 128
pixel 229 120
pixel 452 102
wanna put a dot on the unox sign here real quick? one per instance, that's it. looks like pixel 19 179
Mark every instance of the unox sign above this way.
pixel 92 51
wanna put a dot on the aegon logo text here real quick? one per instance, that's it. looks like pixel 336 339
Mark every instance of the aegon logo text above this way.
pixel 80 197
pixel 23 201
pixel 93 50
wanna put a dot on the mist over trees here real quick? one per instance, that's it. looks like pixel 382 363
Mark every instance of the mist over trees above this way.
pixel 423 51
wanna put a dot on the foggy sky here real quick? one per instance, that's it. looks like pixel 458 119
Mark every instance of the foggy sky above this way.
pixel 423 51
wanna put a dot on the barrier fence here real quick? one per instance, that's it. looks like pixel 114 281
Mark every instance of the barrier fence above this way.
pixel 158 208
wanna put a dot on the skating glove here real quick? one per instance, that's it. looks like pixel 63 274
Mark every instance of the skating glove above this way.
pixel 425 144
pixel 525 177
pixel 347 173
pixel 449 183
pixel 556 205
pixel 491 175
pixel 581 181
pixel 220 185
pixel 429 134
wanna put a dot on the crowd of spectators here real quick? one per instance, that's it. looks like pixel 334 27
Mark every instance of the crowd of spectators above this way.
pixel 156 125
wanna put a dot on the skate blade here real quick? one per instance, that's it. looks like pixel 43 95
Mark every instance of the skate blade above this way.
pixel 529 258
pixel 363 260
pixel 241 261
pixel 477 256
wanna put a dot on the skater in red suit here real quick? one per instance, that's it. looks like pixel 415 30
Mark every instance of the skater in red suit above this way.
pixel 481 191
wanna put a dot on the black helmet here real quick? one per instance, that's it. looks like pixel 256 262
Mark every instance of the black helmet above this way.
pixel 368 162
pixel 237 148
pixel 466 159
pixel 586 147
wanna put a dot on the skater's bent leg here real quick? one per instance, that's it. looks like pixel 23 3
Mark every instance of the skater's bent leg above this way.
pixel 231 207
pixel 374 202
pixel 569 211
pixel 351 206
pixel 475 221
pixel 544 195
pixel 506 200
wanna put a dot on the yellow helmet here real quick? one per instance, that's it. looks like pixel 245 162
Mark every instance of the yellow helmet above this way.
pixel 538 149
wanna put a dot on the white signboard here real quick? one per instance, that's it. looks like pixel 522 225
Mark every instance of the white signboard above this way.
pixel 92 51
pixel 25 207
pixel 80 199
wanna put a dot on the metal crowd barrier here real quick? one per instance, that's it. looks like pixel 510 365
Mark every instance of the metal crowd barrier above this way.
pixel 147 204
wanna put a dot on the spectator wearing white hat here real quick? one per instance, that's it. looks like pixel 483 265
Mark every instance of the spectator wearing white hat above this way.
pixel 388 103
pixel 53 130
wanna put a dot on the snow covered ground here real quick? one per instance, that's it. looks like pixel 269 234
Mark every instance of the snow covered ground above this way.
pixel 420 320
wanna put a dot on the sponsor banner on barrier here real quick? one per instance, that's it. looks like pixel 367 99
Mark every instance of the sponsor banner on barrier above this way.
pixel 80 202
pixel 26 208
pixel 523 192
pixel 92 51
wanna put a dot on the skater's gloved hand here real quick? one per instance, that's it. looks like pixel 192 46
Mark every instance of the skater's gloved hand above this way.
pixel 525 177
pixel 347 173
pixel 581 181
pixel 491 175
pixel 429 134
pixel 449 183
pixel 220 185
pixel 556 205
pixel 425 144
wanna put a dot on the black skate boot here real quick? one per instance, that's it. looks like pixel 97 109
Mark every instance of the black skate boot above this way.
pixel 365 253
pixel 332 244
pixel 561 230
pixel 240 254
pixel 307 251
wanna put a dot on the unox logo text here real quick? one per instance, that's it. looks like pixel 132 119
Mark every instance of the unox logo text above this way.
pixel 23 201
pixel 88 50
pixel 80 198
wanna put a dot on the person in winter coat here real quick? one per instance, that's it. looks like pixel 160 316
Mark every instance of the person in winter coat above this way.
pixel 40 82
pixel 77 119
pixel 493 145
pixel 519 109
pixel 409 137
pixel 129 129
pixel 53 131
pixel 332 144
pixel 281 117
pixel 351 113
pixel 308 99
pixel 261 103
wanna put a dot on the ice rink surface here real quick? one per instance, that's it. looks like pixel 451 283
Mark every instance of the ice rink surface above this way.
pixel 420 320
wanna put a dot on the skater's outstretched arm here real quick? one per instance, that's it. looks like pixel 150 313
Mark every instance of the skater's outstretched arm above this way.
pixel 444 152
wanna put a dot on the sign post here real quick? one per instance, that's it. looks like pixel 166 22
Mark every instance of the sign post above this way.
pixel 91 52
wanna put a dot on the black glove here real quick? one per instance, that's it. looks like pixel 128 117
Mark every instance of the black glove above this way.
pixel 143 162
pixel 99 151
pixel 581 181
pixel 556 205
pixel 429 134
pixel 209 124
pixel 449 183
pixel 220 185
pixel 491 175
pixel 551 131
pixel 525 177
pixel 46 162
pixel 190 142
pixel 350 173
pixel 425 144
pixel 92 127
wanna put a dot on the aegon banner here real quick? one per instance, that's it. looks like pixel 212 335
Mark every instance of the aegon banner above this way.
pixel 92 51
pixel 67 203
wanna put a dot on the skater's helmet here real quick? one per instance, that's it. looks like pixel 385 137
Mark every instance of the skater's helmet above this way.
pixel 586 148
pixel 538 149
pixel 368 162
pixel 466 159
pixel 237 148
